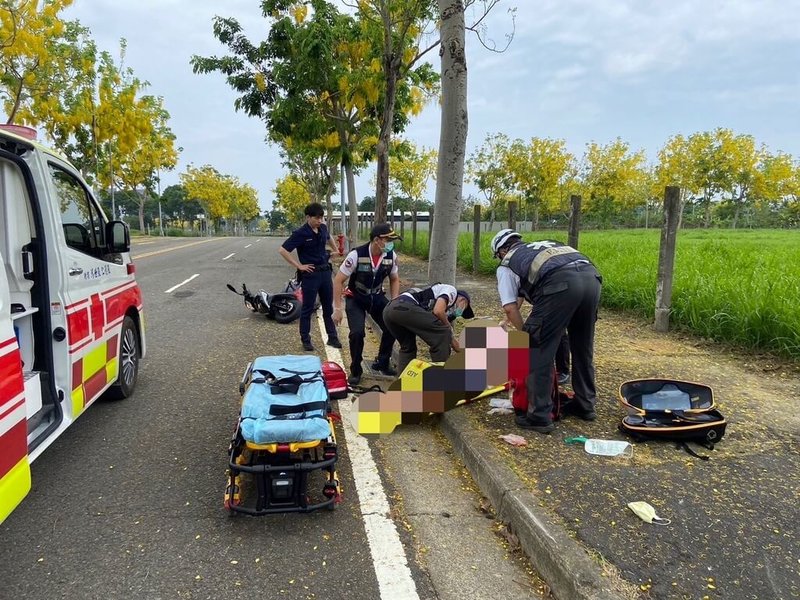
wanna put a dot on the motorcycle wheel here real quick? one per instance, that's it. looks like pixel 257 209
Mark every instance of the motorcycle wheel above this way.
pixel 286 310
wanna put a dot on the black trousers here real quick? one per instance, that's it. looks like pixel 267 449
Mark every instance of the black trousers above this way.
pixel 313 284
pixel 357 309
pixel 406 321
pixel 568 299
pixel 562 355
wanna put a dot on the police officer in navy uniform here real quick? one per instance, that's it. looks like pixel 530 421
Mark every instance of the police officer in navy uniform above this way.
pixel 364 269
pixel 564 288
pixel 314 267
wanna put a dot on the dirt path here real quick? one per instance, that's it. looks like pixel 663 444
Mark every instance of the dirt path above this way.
pixel 734 530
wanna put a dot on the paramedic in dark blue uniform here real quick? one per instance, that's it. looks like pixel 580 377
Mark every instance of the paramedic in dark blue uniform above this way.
pixel 564 288
pixel 364 270
pixel 315 271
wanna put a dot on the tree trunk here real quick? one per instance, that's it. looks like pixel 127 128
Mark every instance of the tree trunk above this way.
pixel 452 143
pixel 352 206
pixel 707 210
pixel 141 210
pixel 392 65
pixel 535 225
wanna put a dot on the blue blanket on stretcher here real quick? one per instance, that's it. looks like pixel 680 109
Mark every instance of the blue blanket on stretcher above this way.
pixel 273 414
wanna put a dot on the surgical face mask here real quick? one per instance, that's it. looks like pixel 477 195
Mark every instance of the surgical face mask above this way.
pixel 458 312
pixel 647 513
pixel 388 247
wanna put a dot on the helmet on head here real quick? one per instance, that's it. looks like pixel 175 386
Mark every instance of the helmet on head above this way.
pixel 502 238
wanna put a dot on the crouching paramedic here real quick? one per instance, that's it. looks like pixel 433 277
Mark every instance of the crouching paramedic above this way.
pixel 424 313
pixel 364 269
pixel 564 288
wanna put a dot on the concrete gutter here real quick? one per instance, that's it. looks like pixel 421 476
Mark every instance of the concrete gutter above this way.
pixel 560 560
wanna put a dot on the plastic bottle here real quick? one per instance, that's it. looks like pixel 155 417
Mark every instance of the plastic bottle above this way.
pixel 608 447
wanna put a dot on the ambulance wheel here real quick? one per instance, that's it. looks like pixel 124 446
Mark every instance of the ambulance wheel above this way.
pixel 128 360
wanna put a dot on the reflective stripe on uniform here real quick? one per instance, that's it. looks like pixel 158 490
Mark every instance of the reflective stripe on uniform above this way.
pixel 543 257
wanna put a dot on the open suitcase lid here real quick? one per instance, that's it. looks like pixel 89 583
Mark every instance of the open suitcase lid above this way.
pixel 665 395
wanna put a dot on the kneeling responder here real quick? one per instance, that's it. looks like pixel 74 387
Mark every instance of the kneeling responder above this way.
pixel 364 269
pixel 424 313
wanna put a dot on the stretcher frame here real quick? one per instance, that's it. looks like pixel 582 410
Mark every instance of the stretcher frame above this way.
pixel 280 471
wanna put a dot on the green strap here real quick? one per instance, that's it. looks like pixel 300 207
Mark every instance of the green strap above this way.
pixel 576 440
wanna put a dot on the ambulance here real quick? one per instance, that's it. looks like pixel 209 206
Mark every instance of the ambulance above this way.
pixel 71 324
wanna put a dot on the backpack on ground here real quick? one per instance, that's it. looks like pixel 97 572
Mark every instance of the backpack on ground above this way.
pixel 672 410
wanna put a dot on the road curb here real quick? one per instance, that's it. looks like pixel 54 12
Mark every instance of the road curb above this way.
pixel 559 559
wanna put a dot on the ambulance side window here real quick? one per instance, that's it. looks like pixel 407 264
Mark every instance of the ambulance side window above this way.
pixel 84 228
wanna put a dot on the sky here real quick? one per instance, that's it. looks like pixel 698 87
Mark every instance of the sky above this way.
pixel 577 70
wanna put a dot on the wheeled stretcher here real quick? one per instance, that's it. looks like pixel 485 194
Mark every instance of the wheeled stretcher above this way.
pixel 283 435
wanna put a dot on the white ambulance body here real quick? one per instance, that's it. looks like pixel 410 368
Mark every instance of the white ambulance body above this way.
pixel 71 325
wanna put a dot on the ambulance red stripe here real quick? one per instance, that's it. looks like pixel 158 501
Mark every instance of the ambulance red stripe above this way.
pixel 19 403
pixel 11 382
pixel 92 387
pixel 15 446
pixel 8 342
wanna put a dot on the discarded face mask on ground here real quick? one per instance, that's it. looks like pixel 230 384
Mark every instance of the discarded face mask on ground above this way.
pixel 647 513
pixel 514 439
pixel 603 447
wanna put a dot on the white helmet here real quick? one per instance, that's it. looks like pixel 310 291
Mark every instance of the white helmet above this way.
pixel 501 239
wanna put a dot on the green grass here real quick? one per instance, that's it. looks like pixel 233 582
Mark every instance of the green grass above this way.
pixel 740 287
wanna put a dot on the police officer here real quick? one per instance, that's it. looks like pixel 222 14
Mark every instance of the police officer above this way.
pixel 364 269
pixel 409 315
pixel 564 288
pixel 314 269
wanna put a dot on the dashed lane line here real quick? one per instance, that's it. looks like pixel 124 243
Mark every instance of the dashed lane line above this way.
pixel 175 287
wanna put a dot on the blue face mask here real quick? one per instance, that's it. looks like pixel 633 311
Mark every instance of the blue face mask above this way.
pixel 458 312
pixel 388 247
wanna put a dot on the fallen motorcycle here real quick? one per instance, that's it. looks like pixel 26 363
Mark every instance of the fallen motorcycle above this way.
pixel 283 308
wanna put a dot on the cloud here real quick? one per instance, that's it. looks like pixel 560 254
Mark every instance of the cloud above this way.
pixel 576 70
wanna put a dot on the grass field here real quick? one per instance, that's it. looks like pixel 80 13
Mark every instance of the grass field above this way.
pixel 741 287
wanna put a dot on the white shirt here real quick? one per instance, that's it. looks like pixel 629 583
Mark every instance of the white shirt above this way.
pixel 507 285
pixel 348 266
pixel 440 290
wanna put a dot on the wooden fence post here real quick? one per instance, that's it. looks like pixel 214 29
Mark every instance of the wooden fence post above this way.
pixel 476 239
pixel 666 256
pixel 512 214
pixel 574 221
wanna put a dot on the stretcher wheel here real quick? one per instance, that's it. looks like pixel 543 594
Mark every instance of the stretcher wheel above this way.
pixel 331 490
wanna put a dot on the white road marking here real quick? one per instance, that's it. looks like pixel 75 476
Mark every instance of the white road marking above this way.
pixel 163 250
pixel 248 245
pixel 388 557
pixel 175 287
pixel 229 255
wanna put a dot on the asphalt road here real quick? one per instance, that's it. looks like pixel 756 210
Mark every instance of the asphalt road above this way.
pixel 128 502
